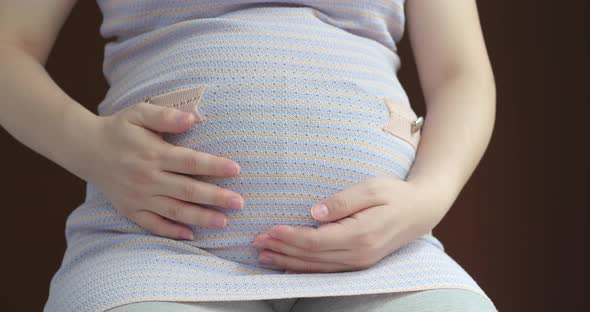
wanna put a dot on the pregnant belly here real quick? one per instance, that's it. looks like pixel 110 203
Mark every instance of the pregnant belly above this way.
pixel 297 141
pixel 305 108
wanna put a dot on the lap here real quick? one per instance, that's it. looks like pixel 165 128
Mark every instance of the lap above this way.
pixel 203 306
pixel 444 300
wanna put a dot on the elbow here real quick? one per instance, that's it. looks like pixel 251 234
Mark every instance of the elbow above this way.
pixel 480 73
pixel 12 45
pixel 479 76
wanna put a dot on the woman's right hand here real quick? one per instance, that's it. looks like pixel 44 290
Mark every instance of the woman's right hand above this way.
pixel 139 172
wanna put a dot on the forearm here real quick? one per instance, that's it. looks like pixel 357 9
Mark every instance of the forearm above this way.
pixel 456 132
pixel 39 114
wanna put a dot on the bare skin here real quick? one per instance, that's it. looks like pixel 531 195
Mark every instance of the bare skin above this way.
pixel 129 161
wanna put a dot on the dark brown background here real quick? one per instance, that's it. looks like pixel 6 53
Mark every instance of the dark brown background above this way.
pixel 519 227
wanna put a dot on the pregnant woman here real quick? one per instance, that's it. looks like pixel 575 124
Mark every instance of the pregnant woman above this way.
pixel 227 121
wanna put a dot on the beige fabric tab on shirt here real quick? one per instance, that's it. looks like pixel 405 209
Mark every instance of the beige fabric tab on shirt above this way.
pixel 187 100
pixel 400 122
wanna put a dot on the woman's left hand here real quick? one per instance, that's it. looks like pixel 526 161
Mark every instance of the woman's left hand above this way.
pixel 372 219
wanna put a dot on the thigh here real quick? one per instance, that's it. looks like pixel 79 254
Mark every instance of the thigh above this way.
pixel 202 306
pixel 447 300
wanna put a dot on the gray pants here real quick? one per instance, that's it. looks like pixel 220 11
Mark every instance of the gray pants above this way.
pixel 444 300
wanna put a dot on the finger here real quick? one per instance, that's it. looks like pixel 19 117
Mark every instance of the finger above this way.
pixel 264 241
pixel 162 227
pixel 329 236
pixel 185 160
pixel 195 191
pixel 159 118
pixel 296 264
pixel 367 193
pixel 185 212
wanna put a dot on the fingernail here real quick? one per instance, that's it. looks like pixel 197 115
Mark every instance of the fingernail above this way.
pixel 265 259
pixel 258 245
pixel 231 169
pixel 188 235
pixel 219 222
pixel 235 202
pixel 274 234
pixel 319 211
pixel 183 118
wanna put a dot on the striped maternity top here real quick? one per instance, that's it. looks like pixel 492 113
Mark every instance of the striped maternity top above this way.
pixel 304 96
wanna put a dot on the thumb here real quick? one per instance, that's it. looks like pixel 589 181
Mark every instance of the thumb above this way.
pixel 345 203
pixel 160 118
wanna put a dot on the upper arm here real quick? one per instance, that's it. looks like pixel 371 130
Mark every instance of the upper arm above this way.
pixel 446 40
pixel 33 25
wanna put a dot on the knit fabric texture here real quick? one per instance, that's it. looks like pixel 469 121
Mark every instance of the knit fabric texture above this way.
pixel 304 95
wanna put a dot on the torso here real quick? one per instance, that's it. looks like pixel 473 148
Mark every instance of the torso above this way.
pixel 294 95
pixel 297 93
